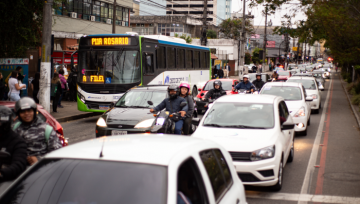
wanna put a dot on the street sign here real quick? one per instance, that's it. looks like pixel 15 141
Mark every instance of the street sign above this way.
pixel 294 49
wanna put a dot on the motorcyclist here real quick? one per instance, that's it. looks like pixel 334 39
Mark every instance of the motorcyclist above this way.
pixel 185 93
pixel 245 84
pixel 12 148
pixel 216 92
pixel 275 75
pixel 258 82
pixel 38 135
pixel 172 104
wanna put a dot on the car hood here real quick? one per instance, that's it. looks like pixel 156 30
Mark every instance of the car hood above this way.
pixel 310 92
pixel 283 77
pixel 293 106
pixel 242 140
pixel 127 117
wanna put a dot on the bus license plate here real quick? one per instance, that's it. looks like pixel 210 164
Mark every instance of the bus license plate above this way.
pixel 118 132
pixel 103 107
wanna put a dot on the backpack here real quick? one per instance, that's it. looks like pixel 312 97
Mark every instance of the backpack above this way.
pixel 48 130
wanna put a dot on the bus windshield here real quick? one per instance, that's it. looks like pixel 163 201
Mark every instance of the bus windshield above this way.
pixel 109 67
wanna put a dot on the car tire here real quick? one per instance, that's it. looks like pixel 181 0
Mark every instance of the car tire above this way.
pixel 278 185
pixel 303 133
pixel 308 122
pixel 292 153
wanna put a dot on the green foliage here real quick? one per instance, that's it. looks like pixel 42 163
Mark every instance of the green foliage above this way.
pixel 176 35
pixel 355 100
pixel 211 34
pixel 187 38
pixel 247 58
pixel 255 56
pixel 231 28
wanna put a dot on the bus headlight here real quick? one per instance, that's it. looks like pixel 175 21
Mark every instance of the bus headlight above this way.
pixel 82 98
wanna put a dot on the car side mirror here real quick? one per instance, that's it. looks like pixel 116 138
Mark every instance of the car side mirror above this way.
pixel 150 103
pixel 202 94
pixel 183 104
pixel 112 104
pixel 309 99
pixel 287 126
pixel 195 121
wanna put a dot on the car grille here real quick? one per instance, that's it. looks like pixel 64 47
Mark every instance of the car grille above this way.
pixel 120 126
pixel 267 173
pixel 248 177
pixel 240 156
pixel 95 105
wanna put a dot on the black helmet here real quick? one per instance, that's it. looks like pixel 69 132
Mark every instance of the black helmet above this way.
pixel 5 119
pixel 24 104
pixel 217 82
pixel 173 87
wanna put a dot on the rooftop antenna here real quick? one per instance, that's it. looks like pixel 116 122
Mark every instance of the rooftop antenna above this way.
pixel 102 148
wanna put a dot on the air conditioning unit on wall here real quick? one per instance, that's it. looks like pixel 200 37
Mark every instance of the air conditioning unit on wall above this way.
pixel 73 15
pixel 108 21
pixel 92 18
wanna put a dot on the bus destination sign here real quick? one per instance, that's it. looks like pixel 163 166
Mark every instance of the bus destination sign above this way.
pixel 109 41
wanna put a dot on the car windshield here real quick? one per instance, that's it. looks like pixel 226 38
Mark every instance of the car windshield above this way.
pixel 289 93
pixel 240 115
pixel 284 73
pixel 76 181
pixel 226 85
pixel 109 67
pixel 307 83
pixel 140 98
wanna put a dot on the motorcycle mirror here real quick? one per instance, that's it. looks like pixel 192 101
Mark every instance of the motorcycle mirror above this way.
pixel 183 104
pixel 150 103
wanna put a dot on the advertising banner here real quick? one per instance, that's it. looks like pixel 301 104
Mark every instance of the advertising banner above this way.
pixel 7 65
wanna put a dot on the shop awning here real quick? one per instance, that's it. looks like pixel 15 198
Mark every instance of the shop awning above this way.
pixel 213 56
pixel 73 47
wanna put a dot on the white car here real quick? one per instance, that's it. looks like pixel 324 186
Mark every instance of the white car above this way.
pixel 258 132
pixel 133 169
pixel 298 105
pixel 312 90
pixel 326 73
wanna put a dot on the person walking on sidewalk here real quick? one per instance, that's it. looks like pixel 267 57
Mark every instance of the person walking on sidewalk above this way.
pixel 14 87
pixel 3 87
pixel 228 69
pixel 221 73
pixel 35 86
pixel 56 91
pixel 63 86
pixel 72 83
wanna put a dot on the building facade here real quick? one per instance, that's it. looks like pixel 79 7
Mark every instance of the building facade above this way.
pixel 149 7
pixel 218 10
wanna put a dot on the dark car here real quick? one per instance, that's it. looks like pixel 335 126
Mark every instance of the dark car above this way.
pixel 265 77
pixel 46 117
pixel 131 113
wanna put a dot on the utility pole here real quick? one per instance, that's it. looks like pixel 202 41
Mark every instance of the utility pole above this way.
pixel 114 17
pixel 204 28
pixel 265 40
pixel 298 52
pixel 243 39
pixel 45 69
pixel 305 53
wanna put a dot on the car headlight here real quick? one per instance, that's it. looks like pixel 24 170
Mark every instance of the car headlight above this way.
pixel 300 112
pixel 101 122
pixel 145 123
pixel 314 96
pixel 265 153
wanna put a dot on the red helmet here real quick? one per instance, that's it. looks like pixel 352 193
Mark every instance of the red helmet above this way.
pixel 185 84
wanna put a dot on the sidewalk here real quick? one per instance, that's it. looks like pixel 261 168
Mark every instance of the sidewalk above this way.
pixel 70 112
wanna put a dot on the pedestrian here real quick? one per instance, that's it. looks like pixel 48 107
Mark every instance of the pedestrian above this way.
pixel 260 68
pixel 35 86
pixel 12 148
pixel 14 87
pixel 221 73
pixel 56 91
pixel 270 67
pixel 228 69
pixel 20 77
pixel 215 72
pixel 3 87
pixel 39 136
pixel 63 86
pixel 72 83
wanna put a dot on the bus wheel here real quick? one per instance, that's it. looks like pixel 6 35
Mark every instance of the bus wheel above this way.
pixel 194 92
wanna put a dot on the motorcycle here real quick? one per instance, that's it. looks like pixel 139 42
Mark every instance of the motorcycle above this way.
pixel 165 121
pixel 243 91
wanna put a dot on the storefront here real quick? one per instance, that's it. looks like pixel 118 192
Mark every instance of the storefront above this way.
pixel 62 59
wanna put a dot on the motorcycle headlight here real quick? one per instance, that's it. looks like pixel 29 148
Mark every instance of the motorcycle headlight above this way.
pixel 101 122
pixel 300 112
pixel 314 96
pixel 145 123
pixel 265 153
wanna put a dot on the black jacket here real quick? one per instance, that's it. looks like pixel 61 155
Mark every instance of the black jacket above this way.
pixel 2 88
pixel 258 84
pixel 221 73
pixel 13 145
pixel 215 93
pixel 190 101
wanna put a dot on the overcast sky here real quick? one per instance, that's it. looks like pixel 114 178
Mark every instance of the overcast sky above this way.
pixel 260 19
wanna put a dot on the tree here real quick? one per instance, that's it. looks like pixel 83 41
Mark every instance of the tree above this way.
pixel 247 58
pixel 231 28
pixel 211 34
pixel 185 37
pixel 256 56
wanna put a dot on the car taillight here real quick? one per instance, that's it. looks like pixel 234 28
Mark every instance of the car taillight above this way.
pixel 63 140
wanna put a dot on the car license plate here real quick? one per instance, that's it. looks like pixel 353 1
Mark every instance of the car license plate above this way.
pixel 118 132
pixel 103 107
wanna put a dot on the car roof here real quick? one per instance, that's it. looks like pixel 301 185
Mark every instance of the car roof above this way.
pixel 158 149
pixel 223 80
pixel 11 104
pixel 257 73
pixel 295 84
pixel 248 98
pixel 300 77
pixel 151 87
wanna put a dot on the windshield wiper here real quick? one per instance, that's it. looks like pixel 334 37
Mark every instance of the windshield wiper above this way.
pixel 213 125
pixel 133 106
pixel 243 127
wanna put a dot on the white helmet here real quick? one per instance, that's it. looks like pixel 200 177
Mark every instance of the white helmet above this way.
pixel 246 76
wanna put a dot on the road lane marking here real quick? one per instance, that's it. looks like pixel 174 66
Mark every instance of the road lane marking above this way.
pixel 302 197
pixel 320 177
pixel 312 160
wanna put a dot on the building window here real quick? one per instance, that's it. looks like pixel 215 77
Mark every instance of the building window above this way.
pixel 104 12
pixel 78 8
pixel 119 17
pixel 171 57
pixel 96 10
pixel 111 9
pixel 87 10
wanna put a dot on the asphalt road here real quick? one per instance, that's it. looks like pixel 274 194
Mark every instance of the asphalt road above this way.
pixel 325 168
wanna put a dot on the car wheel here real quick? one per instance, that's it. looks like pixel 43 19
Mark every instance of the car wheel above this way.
pixel 292 152
pixel 303 133
pixel 319 106
pixel 308 122
pixel 278 185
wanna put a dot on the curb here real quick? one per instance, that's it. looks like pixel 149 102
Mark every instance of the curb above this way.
pixel 76 117
pixel 356 113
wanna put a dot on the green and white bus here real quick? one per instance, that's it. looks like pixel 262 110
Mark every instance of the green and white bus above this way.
pixel 111 64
